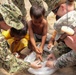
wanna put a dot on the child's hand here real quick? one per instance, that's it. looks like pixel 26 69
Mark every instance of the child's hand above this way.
pixel 41 50
pixel 39 56
pixel 37 50
pixel 36 64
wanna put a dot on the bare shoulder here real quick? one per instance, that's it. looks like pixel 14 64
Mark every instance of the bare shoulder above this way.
pixel 29 23
pixel 45 22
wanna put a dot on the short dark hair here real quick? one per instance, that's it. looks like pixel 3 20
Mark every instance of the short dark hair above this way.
pixel 37 11
pixel 1 18
pixel 20 32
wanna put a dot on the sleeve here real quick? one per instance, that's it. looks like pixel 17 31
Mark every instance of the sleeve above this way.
pixel 27 36
pixel 59 49
pixel 6 34
pixel 8 61
pixel 68 59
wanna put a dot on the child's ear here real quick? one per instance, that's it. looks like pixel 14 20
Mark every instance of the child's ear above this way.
pixel 67 30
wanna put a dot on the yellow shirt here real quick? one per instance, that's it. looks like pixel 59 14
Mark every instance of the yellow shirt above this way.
pixel 16 46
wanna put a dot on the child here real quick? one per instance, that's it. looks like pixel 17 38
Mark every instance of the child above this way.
pixel 17 39
pixel 37 29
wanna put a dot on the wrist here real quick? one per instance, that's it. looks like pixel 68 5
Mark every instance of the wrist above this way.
pixel 51 41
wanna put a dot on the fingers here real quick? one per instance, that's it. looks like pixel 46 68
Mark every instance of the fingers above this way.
pixel 39 66
pixel 36 64
pixel 48 57
pixel 38 51
pixel 39 56
pixel 37 61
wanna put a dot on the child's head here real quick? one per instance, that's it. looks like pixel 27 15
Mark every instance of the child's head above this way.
pixel 19 34
pixel 37 13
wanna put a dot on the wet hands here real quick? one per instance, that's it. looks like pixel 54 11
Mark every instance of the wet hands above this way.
pixel 50 63
pixel 39 50
pixel 50 60
pixel 36 64
pixel 39 55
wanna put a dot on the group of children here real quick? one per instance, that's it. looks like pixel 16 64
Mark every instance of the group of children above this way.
pixel 37 32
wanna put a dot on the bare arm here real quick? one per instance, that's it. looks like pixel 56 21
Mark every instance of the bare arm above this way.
pixel 31 35
pixel 44 35
pixel 52 40
pixel 53 37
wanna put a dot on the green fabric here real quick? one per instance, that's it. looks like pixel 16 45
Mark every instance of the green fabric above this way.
pixel 8 61
pixel 12 15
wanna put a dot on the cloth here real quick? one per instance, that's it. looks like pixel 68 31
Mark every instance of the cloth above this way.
pixel 11 15
pixel 38 38
pixel 9 62
pixel 68 19
pixel 21 5
pixel 68 59
pixel 59 49
pixel 16 46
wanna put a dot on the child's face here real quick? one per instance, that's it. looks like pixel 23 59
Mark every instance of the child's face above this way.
pixel 38 21
pixel 18 38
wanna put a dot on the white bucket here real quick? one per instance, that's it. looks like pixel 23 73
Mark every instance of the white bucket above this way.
pixel 42 71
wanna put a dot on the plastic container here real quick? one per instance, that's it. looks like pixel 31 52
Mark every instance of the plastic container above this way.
pixel 31 57
pixel 42 71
